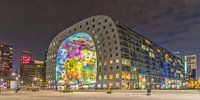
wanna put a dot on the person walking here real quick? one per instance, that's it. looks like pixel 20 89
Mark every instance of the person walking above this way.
pixel 148 86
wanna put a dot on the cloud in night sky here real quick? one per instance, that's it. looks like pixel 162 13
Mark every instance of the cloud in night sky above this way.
pixel 32 24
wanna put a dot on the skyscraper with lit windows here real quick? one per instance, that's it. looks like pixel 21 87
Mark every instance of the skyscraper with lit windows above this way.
pixel 6 60
pixel 190 66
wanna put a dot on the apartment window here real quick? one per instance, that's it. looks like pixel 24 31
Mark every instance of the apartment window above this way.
pixel 111 61
pixel 111 76
pixel 105 69
pixel 115 42
pixel 110 49
pixel 100 64
pixel 126 62
pixel 105 77
pixel 116 54
pixel 106 32
pixel 99 78
pixel 105 20
pixel 111 68
pixel 105 56
pixel 117 76
pixel 151 55
pixel 117 60
pixel 112 30
pixel 105 63
pixel 117 67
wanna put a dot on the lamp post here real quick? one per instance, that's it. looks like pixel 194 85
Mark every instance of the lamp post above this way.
pixel 1 79
pixel 34 83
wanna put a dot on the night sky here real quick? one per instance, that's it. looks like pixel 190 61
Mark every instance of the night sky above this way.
pixel 32 24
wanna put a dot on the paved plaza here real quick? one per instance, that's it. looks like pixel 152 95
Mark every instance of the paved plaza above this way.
pixel 117 95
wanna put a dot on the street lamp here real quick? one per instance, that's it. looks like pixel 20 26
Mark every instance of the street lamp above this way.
pixel 17 78
pixel 13 74
pixel 1 79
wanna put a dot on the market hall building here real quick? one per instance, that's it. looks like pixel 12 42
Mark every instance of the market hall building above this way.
pixel 99 53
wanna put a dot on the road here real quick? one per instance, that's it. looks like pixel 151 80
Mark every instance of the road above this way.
pixel 120 95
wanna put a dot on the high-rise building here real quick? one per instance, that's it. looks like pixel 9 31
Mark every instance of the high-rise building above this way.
pixel 190 66
pixel 6 60
pixel 31 70
pixel 40 69
pixel 101 53
pixel 25 59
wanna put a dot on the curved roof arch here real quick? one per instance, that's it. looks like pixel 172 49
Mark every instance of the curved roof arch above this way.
pixel 101 28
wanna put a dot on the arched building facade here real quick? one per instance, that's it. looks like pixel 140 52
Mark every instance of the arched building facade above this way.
pixel 98 52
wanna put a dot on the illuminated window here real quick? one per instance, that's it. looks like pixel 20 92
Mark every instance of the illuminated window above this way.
pixel 148 42
pixel 93 27
pixel 145 47
pixel 117 76
pixel 126 62
pixel 126 76
pixel 111 76
pixel 158 50
pixel 99 77
pixel 151 55
pixel 111 61
pixel 105 77
pixel 117 60
pixel 105 63
pixel 100 64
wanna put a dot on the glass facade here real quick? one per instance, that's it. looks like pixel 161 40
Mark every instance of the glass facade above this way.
pixel 144 59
